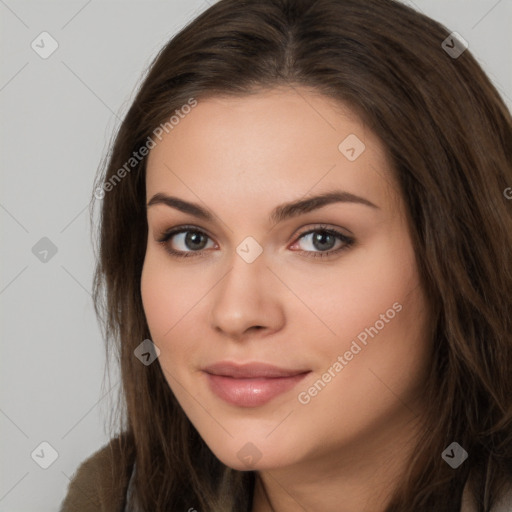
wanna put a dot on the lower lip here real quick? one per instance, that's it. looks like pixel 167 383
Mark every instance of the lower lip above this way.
pixel 251 392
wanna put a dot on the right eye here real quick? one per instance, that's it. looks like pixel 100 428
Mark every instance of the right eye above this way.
pixel 187 241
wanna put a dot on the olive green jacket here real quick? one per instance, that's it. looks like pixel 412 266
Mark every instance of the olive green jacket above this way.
pixel 91 488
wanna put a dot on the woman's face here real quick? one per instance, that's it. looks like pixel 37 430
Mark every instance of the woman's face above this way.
pixel 326 292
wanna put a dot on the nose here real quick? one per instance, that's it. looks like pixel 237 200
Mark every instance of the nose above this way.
pixel 247 300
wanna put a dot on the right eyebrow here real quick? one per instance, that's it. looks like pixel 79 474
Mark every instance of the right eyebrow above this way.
pixel 183 206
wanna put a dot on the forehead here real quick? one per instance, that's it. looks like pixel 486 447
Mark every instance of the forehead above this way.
pixel 279 144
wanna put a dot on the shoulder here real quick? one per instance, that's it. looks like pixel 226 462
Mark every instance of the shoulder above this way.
pixel 95 486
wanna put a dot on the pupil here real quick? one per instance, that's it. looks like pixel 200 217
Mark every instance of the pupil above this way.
pixel 320 239
pixel 193 240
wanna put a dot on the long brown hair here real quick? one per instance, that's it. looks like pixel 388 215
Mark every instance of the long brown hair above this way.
pixel 448 136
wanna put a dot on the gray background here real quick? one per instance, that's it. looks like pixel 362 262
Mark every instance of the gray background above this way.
pixel 58 115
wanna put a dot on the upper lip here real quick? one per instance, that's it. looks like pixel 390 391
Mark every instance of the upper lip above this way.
pixel 250 370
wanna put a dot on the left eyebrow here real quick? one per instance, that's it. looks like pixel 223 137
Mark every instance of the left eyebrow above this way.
pixel 278 214
pixel 296 208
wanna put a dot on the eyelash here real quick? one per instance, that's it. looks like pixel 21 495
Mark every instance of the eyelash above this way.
pixel 347 241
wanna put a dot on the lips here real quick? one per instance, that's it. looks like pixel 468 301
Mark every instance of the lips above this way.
pixel 252 384
pixel 250 370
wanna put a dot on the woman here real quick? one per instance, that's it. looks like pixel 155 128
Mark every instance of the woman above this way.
pixel 305 250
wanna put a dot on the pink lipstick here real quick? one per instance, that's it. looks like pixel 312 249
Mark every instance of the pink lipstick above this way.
pixel 251 384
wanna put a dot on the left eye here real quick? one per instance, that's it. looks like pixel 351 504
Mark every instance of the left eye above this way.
pixel 323 240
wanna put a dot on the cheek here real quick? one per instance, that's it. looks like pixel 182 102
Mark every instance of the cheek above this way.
pixel 171 299
pixel 388 354
pixel 351 296
pixel 377 309
pixel 167 294
pixel 156 299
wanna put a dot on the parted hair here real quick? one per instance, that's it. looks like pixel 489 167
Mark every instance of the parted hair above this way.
pixel 448 136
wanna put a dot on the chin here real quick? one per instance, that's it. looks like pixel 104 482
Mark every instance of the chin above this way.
pixel 256 455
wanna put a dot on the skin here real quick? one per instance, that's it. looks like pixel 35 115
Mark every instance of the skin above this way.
pixel 347 448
